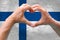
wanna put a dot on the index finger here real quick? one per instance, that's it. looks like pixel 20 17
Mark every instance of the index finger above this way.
pixel 25 7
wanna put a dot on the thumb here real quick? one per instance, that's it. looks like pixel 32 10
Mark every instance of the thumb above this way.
pixel 27 22
pixel 38 23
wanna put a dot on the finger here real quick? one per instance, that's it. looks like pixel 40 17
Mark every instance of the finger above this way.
pixel 38 23
pixel 27 7
pixel 27 22
pixel 36 5
pixel 39 8
pixel 35 9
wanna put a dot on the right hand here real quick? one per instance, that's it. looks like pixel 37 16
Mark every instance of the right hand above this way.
pixel 18 14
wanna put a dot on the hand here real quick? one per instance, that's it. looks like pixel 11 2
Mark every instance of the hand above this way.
pixel 45 19
pixel 18 14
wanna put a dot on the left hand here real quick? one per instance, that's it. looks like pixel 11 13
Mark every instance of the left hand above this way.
pixel 45 19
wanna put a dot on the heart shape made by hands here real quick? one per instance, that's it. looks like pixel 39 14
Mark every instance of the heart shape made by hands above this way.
pixel 45 19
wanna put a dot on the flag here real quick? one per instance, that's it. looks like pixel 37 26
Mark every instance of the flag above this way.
pixel 22 31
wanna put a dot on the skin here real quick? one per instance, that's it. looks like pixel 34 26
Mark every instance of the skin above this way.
pixel 18 16
pixel 46 18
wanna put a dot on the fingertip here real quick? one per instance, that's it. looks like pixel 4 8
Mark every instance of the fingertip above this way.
pixel 31 10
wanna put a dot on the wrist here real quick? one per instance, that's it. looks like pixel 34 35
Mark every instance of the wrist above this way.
pixel 10 19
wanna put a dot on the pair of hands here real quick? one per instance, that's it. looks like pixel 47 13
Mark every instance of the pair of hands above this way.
pixel 18 15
